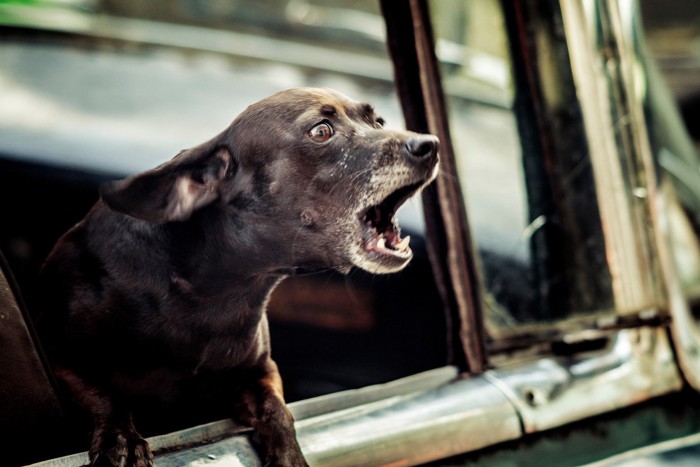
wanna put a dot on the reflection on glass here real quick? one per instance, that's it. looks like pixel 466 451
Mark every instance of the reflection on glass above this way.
pixel 541 106
pixel 524 164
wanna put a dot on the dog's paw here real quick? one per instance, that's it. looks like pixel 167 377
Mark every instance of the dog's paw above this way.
pixel 288 458
pixel 295 462
pixel 282 455
pixel 122 450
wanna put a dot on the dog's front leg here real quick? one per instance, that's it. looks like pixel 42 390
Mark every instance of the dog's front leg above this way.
pixel 115 441
pixel 264 409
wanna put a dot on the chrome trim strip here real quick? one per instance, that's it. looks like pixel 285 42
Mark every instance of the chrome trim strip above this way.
pixel 458 417
pixel 551 392
pixel 335 402
pixel 436 414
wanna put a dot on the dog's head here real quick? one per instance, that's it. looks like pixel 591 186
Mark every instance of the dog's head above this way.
pixel 306 178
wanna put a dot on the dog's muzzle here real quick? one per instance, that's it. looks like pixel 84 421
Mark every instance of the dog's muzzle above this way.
pixel 384 248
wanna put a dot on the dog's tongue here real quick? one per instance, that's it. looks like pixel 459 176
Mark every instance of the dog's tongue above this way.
pixel 394 241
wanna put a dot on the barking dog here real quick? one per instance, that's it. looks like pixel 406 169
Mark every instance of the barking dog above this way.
pixel 162 287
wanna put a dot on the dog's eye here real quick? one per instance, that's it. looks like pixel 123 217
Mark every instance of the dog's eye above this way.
pixel 379 122
pixel 321 132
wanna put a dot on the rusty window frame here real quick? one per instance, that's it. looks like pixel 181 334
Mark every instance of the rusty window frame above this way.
pixel 411 46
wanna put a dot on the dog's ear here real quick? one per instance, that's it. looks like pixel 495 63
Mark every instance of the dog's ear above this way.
pixel 174 190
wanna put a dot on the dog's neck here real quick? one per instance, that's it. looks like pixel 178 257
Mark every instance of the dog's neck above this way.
pixel 206 267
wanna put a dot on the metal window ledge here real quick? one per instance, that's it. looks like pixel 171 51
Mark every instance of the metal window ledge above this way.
pixel 438 414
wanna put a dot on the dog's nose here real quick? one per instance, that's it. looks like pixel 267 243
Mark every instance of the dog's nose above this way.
pixel 423 146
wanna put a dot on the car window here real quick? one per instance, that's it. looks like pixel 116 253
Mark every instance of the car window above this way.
pixel 540 246
pixel 556 243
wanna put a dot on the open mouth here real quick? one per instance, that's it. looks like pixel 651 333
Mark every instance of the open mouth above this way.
pixel 381 233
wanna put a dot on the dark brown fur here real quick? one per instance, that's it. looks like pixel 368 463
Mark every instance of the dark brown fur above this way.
pixel 160 291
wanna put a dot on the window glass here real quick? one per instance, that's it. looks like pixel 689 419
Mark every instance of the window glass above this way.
pixel 528 183
pixel 472 45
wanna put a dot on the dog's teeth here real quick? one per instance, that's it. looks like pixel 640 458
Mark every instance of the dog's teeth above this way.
pixel 403 244
pixel 381 243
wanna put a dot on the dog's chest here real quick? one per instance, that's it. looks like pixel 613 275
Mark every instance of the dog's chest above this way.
pixel 225 353
pixel 213 340
pixel 164 372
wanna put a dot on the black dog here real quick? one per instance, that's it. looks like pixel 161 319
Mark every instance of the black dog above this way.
pixel 164 284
